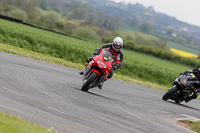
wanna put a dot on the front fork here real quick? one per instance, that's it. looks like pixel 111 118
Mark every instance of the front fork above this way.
pixel 182 94
pixel 88 71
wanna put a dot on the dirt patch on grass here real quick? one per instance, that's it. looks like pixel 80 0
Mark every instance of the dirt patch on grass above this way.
pixel 186 124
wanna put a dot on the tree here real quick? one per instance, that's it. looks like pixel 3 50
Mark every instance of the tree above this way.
pixel 5 7
pixel 19 14
pixel 71 5
pixel 169 31
pixel 180 39
pixel 43 4
pixel 78 13
pixel 128 37
pixel 190 41
pixel 69 26
pixel 96 19
pixel 103 32
pixel 100 19
pixel 91 19
pixel 145 27
pixel 60 24
pixel 86 32
pixel 28 6
pixel 55 5
pixel 112 23
pixel 115 33
pixel 49 18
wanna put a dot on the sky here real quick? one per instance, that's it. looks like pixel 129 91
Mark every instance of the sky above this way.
pixel 184 10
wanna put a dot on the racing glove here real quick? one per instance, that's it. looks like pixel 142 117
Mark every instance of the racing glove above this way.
pixel 114 68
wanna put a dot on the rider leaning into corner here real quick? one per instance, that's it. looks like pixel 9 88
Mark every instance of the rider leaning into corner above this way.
pixel 114 48
pixel 194 80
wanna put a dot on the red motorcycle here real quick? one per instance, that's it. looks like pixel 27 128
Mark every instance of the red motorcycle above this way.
pixel 97 70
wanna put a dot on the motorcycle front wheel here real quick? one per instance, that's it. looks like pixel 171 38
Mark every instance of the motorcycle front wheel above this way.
pixel 90 80
pixel 170 93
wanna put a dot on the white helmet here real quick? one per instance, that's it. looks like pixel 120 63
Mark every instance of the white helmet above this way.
pixel 117 44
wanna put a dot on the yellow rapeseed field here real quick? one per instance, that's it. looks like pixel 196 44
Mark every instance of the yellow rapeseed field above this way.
pixel 183 53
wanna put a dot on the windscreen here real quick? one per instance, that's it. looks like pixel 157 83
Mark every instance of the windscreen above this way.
pixel 107 56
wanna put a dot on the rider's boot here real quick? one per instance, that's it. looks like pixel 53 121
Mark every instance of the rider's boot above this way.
pixel 178 101
pixel 194 96
pixel 101 84
pixel 188 99
pixel 81 72
pixel 87 62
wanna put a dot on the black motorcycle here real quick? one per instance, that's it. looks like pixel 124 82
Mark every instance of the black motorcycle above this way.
pixel 182 88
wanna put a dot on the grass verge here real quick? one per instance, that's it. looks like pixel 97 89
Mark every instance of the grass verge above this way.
pixel 13 124
pixel 194 126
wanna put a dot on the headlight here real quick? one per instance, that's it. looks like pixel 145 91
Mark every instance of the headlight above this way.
pixel 184 82
pixel 101 64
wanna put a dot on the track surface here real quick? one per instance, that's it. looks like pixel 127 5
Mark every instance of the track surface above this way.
pixel 49 95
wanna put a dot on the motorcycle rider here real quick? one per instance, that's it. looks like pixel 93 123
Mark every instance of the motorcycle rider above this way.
pixel 115 49
pixel 193 80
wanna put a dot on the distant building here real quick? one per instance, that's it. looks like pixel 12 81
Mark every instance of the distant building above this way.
pixel 174 34
pixel 184 29
pixel 112 3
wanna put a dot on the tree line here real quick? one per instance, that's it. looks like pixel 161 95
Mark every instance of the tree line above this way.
pixel 67 16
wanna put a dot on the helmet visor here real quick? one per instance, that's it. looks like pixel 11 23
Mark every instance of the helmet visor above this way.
pixel 117 46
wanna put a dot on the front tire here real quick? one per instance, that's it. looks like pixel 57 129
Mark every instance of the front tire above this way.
pixel 170 93
pixel 90 80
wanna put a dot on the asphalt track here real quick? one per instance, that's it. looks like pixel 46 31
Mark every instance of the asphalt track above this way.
pixel 49 95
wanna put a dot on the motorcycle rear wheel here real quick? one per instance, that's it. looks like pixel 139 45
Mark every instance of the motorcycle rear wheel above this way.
pixel 170 93
pixel 90 80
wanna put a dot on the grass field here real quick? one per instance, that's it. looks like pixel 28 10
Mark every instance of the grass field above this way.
pixel 183 53
pixel 182 47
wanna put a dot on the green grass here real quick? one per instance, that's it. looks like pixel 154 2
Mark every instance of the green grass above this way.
pixel 152 69
pixel 192 125
pixel 13 124
pixel 182 47
pixel 196 127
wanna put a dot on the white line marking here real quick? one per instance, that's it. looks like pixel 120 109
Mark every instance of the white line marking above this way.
pixel 12 92
pixel 55 110
pixel 189 117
